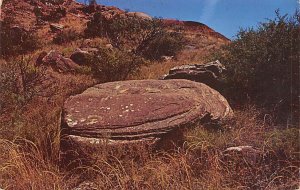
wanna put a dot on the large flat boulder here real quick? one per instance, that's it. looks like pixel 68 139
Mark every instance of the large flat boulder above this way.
pixel 141 110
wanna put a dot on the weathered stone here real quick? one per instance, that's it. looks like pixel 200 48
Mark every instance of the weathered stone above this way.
pixel 86 186
pixel 140 15
pixel 56 27
pixel 57 62
pixel 0 6
pixel 208 73
pixel 39 60
pixel 138 111
pixel 247 153
pixel 166 58
pixel 82 56
pixel 109 46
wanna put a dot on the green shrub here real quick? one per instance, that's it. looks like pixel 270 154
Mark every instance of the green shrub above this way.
pixel 122 31
pixel 263 65
pixel 148 38
pixel 163 44
pixel 114 65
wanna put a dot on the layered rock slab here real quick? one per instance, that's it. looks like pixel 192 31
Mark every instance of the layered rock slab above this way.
pixel 208 73
pixel 142 110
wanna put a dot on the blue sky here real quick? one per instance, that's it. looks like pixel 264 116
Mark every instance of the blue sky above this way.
pixel 224 16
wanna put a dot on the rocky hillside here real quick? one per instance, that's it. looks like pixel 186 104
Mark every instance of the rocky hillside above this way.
pixel 46 18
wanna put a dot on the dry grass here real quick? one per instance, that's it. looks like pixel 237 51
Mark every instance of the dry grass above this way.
pixel 30 148
pixel 199 164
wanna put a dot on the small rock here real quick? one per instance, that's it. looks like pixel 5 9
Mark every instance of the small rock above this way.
pixel 247 152
pixel 86 186
pixel 166 58
pixel 109 46
pixel 140 15
pixel 56 27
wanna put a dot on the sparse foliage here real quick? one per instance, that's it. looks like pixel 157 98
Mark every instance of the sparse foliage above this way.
pixel 18 81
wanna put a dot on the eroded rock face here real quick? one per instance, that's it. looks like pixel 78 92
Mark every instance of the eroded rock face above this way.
pixel 145 110
pixel 208 73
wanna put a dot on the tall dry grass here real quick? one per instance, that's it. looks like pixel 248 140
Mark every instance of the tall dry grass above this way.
pixel 200 163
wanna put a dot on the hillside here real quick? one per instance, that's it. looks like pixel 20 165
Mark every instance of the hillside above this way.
pixel 96 97
pixel 201 40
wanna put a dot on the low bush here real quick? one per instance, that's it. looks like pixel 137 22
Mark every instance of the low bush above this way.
pixel 113 65
pixel 148 38
pixel 18 81
pixel 263 66
pixel 163 44
pixel 66 36
pixel 15 41
pixel 122 31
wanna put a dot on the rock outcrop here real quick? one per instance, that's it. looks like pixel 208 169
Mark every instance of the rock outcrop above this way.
pixel 140 15
pixel 83 55
pixel 56 27
pixel 134 111
pixel 57 62
pixel 208 73
pixel 1 1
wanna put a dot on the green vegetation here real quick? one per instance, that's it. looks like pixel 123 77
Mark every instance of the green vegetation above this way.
pixel 113 65
pixel 263 66
pixel 144 37
pixel 162 44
